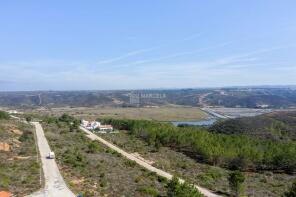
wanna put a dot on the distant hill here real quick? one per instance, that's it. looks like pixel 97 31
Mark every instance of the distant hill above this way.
pixel 92 98
pixel 263 97
pixel 60 98
pixel 276 125
pixel 253 98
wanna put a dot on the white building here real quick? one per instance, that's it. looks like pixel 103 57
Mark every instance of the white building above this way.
pixel 106 128
pixel 13 112
pixel 94 125
pixel 84 123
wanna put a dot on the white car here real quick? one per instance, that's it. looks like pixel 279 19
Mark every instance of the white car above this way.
pixel 51 155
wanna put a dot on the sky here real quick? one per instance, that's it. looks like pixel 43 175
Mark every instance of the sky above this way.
pixel 132 44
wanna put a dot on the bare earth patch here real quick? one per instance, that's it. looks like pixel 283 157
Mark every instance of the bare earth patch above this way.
pixel 4 146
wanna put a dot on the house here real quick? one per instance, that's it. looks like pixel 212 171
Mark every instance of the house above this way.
pixel 96 126
pixel 105 128
pixel 84 123
pixel 91 125
pixel 12 112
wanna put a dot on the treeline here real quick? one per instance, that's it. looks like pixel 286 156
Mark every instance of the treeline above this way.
pixel 230 151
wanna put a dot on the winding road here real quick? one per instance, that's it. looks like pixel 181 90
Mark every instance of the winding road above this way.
pixel 55 185
pixel 142 163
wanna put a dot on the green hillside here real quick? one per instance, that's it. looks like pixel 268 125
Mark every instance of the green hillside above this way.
pixel 276 126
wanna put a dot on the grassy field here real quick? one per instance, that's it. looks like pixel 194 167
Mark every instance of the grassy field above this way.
pixel 168 113
pixel 92 169
pixel 215 178
pixel 19 169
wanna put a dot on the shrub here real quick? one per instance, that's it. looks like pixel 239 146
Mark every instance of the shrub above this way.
pixel 74 158
pixel 88 194
pixel 4 115
pixel 161 179
pixel 292 191
pixel 236 180
pixel 28 118
pixel 177 189
pixel 149 191
pixel 103 183
pixel 130 163
pixel 26 136
pixel 50 119
pixel 138 179
pixel 93 147
pixel 66 118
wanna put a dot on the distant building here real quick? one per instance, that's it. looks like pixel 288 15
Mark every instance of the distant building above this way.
pixel 12 112
pixel 84 123
pixel 134 99
pixel 96 126
pixel 263 106
pixel 91 125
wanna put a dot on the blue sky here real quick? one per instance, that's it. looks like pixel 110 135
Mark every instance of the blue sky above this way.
pixel 71 45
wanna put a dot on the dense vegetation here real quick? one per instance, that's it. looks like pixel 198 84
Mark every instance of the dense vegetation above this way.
pixel 276 126
pixel 231 151
pixel 215 178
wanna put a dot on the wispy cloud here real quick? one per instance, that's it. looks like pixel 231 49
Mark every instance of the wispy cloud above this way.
pixel 124 56
pixel 247 58
pixel 180 54
pixel 145 50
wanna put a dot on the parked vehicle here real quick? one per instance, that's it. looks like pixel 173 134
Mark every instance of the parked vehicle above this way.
pixel 51 155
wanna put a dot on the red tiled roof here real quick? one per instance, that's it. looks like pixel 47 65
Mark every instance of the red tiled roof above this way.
pixel 106 126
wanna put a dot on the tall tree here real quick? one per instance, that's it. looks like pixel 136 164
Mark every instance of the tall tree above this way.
pixel 236 180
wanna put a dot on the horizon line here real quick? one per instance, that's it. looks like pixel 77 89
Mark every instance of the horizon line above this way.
pixel 167 88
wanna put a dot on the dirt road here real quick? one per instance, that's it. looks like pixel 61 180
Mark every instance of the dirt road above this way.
pixel 55 185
